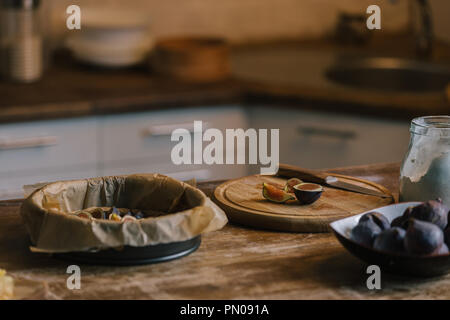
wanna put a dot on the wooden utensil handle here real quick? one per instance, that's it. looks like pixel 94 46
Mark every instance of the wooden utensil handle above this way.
pixel 307 175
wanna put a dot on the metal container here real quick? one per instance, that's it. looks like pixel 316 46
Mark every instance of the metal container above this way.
pixel 21 40
pixel 425 172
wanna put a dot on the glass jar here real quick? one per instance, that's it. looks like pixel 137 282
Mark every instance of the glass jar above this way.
pixel 425 172
pixel 21 40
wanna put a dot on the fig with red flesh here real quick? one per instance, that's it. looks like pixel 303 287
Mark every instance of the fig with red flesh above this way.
pixel 307 193
pixel 291 183
pixel 274 194
pixel 84 215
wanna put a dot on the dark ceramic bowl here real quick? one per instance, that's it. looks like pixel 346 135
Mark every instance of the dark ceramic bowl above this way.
pixel 425 266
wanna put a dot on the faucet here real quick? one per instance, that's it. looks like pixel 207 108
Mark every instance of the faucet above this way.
pixel 425 35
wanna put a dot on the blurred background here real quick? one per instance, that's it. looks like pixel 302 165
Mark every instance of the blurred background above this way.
pixel 104 100
pixel 241 21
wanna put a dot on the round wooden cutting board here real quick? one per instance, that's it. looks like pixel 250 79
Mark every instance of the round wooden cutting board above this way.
pixel 244 203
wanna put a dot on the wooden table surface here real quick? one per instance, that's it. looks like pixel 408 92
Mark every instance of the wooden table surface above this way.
pixel 233 263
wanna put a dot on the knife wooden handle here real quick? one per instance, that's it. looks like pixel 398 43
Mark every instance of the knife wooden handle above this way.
pixel 307 175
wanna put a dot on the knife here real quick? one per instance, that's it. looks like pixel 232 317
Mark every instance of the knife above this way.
pixel 324 178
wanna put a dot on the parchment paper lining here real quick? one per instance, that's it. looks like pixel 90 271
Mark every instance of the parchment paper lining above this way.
pixel 188 213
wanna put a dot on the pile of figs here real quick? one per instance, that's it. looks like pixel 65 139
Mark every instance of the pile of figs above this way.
pixel 422 230
pixel 113 214
pixel 305 193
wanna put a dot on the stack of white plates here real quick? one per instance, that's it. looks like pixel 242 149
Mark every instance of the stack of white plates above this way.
pixel 111 38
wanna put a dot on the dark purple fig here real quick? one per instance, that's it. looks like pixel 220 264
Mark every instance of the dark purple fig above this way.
pixel 402 221
pixel 433 211
pixel 307 193
pixel 378 218
pixel 441 250
pixel 398 222
pixel 422 237
pixel 448 219
pixel 390 240
pixel 365 232
pixel 447 236
pixel 289 186
pixel 98 213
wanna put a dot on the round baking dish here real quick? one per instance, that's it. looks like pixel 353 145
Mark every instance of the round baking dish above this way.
pixel 176 214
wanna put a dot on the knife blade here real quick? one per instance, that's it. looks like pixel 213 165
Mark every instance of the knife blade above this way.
pixel 334 182
pixel 325 178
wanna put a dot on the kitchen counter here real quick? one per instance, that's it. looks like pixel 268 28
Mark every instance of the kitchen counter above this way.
pixel 294 74
pixel 69 89
pixel 233 263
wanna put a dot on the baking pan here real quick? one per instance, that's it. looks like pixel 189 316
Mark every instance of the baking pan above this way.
pixel 129 256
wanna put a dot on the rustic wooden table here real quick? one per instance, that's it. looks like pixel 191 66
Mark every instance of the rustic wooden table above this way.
pixel 233 263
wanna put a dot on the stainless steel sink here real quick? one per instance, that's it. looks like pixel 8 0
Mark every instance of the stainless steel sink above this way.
pixel 390 74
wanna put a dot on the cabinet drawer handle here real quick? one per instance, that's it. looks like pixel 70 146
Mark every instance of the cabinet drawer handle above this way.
pixel 34 142
pixel 167 129
pixel 326 132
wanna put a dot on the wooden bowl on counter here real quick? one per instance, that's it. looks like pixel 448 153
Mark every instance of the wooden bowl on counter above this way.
pixel 192 59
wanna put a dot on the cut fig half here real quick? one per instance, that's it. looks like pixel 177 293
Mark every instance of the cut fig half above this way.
pixel 274 194
pixel 307 193
pixel 289 186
